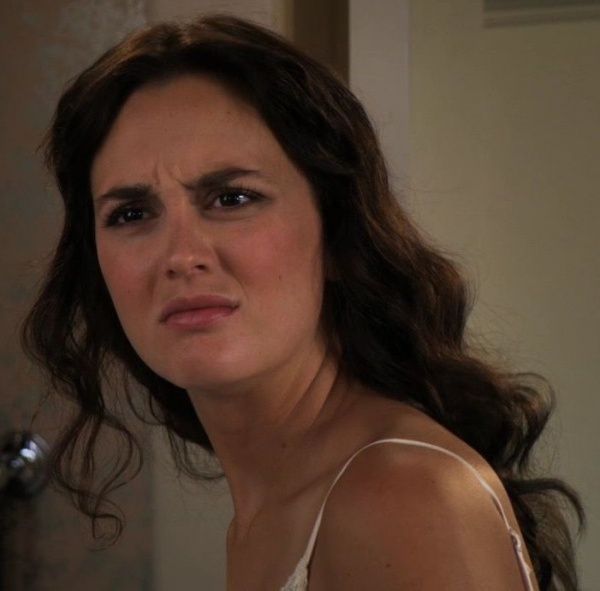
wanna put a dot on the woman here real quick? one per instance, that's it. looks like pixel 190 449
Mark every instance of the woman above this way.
pixel 232 243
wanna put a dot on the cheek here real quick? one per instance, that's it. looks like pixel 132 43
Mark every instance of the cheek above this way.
pixel 123 276
pixel 285 262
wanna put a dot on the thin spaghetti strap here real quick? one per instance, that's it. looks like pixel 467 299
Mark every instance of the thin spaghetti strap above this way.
pixel 526 570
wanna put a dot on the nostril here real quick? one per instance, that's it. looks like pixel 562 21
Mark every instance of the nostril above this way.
pixel 185 265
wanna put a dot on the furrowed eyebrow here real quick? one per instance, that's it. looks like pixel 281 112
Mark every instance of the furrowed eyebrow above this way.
pixel 124 193
pixel 216 178
pixel 205 182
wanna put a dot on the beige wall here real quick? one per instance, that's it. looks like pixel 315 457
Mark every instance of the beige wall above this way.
pixel 379 74
pixel 262 11
pixel 504 141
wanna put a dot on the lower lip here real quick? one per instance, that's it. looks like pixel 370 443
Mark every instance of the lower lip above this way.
pixel 199 317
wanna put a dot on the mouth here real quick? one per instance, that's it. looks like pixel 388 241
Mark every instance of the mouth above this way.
pixel 202 307
pixel 196 318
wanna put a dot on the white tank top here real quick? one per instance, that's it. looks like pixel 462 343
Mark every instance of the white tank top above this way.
pixel 298 580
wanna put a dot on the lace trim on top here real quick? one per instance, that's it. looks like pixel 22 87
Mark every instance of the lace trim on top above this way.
pixel 298 580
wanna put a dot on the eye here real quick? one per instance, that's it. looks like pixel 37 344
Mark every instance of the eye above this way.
pixel 125 215
pixel 234 198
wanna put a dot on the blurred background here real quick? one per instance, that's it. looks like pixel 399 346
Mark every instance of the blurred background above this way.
pixel 489 115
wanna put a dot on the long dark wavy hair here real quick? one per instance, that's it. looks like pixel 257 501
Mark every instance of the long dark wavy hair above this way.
pixel 395 312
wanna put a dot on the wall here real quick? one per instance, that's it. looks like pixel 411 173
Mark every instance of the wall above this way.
pixel 379 74
pixel 504 137
pixel 261 11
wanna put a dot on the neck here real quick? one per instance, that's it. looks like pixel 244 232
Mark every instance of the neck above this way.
pixel 263 434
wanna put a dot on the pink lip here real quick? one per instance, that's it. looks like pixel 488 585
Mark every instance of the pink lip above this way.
pixel 198 310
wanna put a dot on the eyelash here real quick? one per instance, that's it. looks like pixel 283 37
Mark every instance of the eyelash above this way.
pixel 112 218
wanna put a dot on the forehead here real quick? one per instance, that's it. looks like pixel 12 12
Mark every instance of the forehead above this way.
pixel 184 123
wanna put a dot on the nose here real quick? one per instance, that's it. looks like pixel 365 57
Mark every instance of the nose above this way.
pixel 183 265
pixel 189 246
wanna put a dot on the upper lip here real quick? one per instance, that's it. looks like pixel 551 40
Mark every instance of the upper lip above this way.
pixel 194 303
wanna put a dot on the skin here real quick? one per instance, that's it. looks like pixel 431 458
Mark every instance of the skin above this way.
pixel 281 417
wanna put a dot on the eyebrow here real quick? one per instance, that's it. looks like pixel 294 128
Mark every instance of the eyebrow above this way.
pixel 204 182
pixel 215 178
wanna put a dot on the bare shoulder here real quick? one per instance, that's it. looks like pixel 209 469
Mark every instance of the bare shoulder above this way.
pixel 406 517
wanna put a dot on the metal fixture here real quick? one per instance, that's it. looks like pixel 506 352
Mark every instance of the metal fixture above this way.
pixel 23 464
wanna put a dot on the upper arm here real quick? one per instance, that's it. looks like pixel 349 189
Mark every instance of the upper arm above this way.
pixel 412 521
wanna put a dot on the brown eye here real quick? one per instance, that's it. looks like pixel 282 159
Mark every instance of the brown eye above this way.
pixel 125 215
pixel 234 198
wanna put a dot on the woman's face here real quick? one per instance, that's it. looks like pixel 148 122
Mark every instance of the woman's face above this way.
pixel 193 196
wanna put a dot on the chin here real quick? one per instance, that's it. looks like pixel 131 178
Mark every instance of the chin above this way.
pixel 196 369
